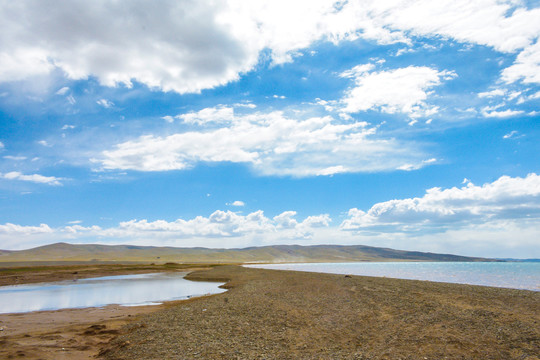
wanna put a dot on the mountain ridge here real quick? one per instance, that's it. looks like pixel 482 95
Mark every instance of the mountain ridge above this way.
pixel 60 252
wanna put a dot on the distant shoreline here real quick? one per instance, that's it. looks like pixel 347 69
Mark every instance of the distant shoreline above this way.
pixel 511 275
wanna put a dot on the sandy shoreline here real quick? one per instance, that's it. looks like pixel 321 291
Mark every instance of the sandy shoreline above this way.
pixel 70 333
pixel 287 315
pixel 64 334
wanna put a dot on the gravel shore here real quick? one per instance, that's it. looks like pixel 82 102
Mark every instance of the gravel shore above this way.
pixel 269 314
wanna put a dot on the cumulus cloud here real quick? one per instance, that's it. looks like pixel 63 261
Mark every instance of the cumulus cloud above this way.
pixel 272 143
pixel 505 199
pixel 247 229
pixel 191 45
pixel 35 178
pixel 403 90
pixel 184 46
pixel 20 230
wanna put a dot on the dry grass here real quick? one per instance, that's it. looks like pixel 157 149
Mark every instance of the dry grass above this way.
pixel 290 315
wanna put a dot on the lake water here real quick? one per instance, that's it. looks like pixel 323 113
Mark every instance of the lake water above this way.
pixel 127 290
pixel 516 275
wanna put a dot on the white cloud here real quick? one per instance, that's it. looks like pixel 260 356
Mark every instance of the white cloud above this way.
pixel 511 134
pixel 271 143
pixel 241 230
pixel 36 178
pixel 62 91
pixel 15 158
pixel 492 93
pixel 2 146
pixel 246 105
pixel 237 203
pixel 44 143
pixel 410 167
pixel 505 199
pixel 19 230
pixel 491 112
pixel 193 45
pixel 68 127
pixel 402 90
pixel 168 118
pixel 107 104
pixel 526 67
pixel 491 23
pixel 209 115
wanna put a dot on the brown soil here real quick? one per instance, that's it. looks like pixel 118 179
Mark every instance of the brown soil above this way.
pixel 290 315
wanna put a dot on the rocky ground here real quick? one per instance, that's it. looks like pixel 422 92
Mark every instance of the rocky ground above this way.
pixel 270 314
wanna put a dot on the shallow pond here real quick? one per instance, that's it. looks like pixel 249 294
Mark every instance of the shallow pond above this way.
pixel 127 290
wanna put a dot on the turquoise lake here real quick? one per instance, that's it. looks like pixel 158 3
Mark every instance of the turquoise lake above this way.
pixel 126 290
pixel 516 275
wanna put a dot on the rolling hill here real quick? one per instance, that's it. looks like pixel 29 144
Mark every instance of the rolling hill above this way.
pixel 63 252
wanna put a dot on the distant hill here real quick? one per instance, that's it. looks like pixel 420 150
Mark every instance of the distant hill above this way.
pixel 63 252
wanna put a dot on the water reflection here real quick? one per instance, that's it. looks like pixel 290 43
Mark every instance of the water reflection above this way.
pixel 142 289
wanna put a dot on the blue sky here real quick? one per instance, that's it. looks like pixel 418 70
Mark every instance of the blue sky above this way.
pixel 412 125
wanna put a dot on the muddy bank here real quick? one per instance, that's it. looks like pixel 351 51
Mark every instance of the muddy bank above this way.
pixel 290 315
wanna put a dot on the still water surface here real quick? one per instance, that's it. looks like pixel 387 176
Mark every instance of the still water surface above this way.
pixel 127 290
pixel 516 275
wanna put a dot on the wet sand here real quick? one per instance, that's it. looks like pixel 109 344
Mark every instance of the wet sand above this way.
pixel 64 334
pixel 69 333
